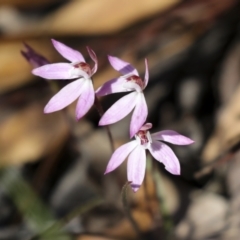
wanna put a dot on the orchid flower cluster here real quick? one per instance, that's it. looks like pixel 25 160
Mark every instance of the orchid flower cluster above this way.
pixel 129 81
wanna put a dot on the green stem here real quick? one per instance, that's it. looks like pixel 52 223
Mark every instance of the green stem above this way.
pixel 128 211
pixel 35 213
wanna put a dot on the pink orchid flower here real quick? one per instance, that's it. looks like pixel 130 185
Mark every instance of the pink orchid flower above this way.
pixel 81 88
pixel 135 150
pixel 130 81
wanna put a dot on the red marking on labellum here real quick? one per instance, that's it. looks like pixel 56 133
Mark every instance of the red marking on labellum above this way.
pixel 83 66
pixel 143 136
pixel 137 80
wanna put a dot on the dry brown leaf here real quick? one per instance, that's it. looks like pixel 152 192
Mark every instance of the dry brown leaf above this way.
pixel 228 126
pixel 230 74
pixel 146 209
pixel 227 129
pixel 101 17
pixel 169 195
pixel 124 228
pixel 28 135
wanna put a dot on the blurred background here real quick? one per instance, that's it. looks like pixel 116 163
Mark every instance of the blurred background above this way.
pixel 51 177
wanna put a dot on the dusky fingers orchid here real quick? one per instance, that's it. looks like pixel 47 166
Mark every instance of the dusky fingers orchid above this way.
pixel 130 81
pixel 135 151
pixel 81 88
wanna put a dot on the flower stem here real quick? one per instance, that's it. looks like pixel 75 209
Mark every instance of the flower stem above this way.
pixel 166 218
pixel 99 108
pixel 128 211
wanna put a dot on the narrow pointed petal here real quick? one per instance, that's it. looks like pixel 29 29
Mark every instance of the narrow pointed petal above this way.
pixel 33 57
pixel 146 73
pixel 119 109
pixel 86 99
pixel 67 52
pixel 65 96
pixel 55 71
pixel 172 137
pixel 146 126
pixel 120 155
pixel 93 56
pixel 136 167
pixel 165 155
pixel 113 86
pixel 121 66
pixel 139 115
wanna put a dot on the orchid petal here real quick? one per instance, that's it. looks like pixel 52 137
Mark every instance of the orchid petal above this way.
pixel 139 115
pixel 165 155
pixel 33 57
pixel 54 71
pixel 113 86
pixel 136 167
pixel 93 56
pixel 146 126
pixel 172 137
pixel 65 96
pixel 120 155
pixel 146 73
pixel 119 109
pixel 67 52
pixel 86 99
pixel 121 66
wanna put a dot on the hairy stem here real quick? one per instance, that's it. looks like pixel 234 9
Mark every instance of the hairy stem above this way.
pixel 128 211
